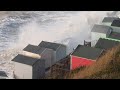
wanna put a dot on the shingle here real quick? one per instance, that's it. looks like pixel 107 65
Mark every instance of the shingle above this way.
pixel 116 23
pixel 114 35
pixel 101 28
pixel 3 74
pixel 25 60
pixel 87 52
pixel 49 45
pixel 110 19
pixel 106 44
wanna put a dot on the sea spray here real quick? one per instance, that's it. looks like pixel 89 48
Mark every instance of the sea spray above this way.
pixel 71 31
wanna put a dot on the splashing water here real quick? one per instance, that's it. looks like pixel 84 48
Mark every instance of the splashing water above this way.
pixel 71 30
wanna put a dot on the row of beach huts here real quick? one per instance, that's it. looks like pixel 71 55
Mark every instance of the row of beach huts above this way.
pixel 35 61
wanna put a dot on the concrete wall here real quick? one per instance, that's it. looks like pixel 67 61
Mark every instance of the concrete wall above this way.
pixel 47 55
pixel 22 71
pixel 38 69
pixel 61 52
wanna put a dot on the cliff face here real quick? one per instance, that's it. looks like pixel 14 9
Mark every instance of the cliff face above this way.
pixel 107 67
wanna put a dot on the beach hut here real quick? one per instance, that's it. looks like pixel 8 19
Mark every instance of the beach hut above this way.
pixel 59 50
pixel 99 31
pixel 108 20
pixel 84 56
pixel 106 44
pixel 28 67
pixel 40 52
pixel 113 22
